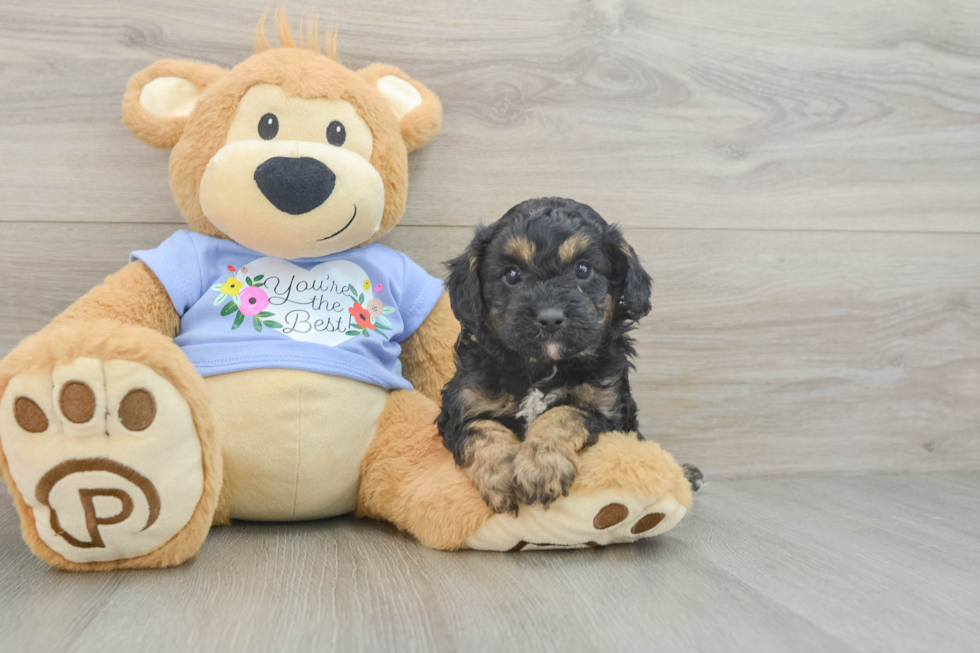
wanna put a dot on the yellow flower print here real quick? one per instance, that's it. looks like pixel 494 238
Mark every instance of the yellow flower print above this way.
pixel 367 284
pixel 231 286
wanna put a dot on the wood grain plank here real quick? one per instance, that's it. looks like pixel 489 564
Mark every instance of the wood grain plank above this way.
pixel 766 352
pixel 877 562
pixel 699 115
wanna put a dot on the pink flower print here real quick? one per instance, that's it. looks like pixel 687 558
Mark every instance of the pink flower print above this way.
pixel 253 301
pixel 378 288
pixel 375 307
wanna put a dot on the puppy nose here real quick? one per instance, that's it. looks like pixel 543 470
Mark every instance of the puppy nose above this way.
pixel 551 319
pixel 295 185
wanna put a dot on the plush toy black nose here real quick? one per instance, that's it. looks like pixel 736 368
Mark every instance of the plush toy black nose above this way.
pixel 295 185
pixel 551 319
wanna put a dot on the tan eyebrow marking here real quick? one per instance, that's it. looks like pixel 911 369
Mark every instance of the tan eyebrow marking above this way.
pixel 572 247
pixel 520 248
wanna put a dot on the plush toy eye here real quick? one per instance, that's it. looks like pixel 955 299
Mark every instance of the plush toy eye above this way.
pixel 583 270
pixel 268 126
pixel 336 133
pixel 512 276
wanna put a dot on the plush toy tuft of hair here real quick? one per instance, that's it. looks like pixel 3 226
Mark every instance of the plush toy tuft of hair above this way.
pixel 286 40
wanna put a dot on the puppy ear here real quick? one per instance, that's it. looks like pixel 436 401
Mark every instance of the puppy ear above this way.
pixel 159 98
pixel 463 284
pixel 632 281
pixel 417 109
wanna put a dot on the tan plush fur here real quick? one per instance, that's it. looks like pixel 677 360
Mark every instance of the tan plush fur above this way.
pixel 163 132
pixel 428 358
pixel 409 478
pixel 421 124
pixel 133 295
pixel 109 340
pixel 618 460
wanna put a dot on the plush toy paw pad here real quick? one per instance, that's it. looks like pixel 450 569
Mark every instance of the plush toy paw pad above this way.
pixel 576 521
pixel 647 522
pixel 609 516
pixel 106 455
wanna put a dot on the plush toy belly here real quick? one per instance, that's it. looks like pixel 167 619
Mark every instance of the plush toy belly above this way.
pixel 293 441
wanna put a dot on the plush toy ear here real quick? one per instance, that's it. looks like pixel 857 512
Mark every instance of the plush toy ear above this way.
pixel 463 284
pixel 159 98
pixel 632 281
pixel 418 109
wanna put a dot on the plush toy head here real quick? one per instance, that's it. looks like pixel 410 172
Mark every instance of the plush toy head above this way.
pixel 288 153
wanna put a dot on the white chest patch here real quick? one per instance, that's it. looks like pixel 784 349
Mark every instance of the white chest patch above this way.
pixel 308 305
pixel 535 403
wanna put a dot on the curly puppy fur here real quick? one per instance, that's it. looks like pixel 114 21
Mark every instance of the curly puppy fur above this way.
pixel 546 297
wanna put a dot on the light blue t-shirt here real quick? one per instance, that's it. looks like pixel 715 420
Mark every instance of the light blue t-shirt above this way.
pixel 343 314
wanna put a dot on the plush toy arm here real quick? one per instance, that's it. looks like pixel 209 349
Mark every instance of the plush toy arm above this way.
pixel 428 355
pixel 133 295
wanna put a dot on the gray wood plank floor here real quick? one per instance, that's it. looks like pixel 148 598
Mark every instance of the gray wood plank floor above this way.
pixel 852 563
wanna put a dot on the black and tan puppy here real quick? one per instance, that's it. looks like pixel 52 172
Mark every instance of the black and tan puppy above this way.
pixel 546 297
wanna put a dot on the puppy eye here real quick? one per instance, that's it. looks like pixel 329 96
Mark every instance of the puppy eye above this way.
pixel 583 270
pixel 336 133
pixel 512 276
pixel 268 126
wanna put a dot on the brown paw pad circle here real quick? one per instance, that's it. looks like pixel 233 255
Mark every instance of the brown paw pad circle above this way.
pixel 647 522
pixel 77 402
pixel 137 409
pixel 610 515
pixel 29 415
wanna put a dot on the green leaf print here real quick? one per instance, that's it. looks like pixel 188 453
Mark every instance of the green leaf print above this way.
pixel 238 321
pixel 353 332
pixel 259 278
pixel 265 314
pixel 360 298
pixel 248 280
pixel 388 310
pixel 256 322
pixel 228 309
pixel 272 324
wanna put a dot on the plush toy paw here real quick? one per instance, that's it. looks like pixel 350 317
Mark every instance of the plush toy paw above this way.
pixel 625 490
pixel 106 456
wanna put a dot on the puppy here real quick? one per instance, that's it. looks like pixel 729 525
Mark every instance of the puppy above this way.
pixel 546 297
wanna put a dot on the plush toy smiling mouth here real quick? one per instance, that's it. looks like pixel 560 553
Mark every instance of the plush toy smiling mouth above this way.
pixel 344 228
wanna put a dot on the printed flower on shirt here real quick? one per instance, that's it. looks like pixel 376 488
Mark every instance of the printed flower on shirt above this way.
pixel 253 301
pixel 247 300
pixel 361 316
pixel 231 287
pixel 368 316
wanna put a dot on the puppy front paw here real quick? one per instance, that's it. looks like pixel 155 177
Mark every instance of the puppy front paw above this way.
pixel 490 452
pixel 544 471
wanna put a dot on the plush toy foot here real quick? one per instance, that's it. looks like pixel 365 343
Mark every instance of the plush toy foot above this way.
pixel 106 465
pixel 625 490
